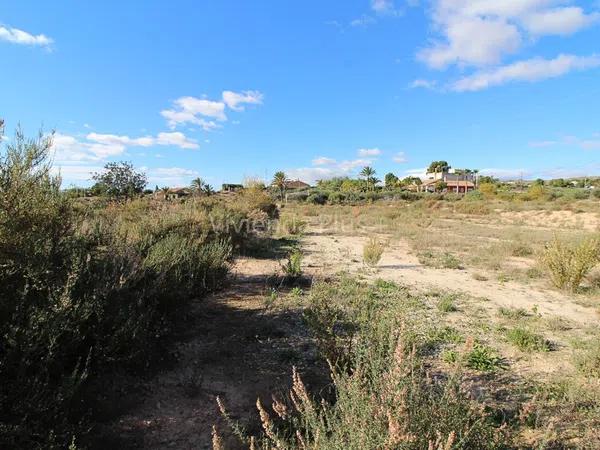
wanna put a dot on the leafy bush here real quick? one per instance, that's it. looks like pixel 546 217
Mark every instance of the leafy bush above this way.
pixel 317 198
pixel 527 340
pixel 568 265
pixel 482 358
pixel 83 292
pixel 293 266
pixel 372 252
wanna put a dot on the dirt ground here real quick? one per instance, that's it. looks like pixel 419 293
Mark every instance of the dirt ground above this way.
pixel 236 348
pixel 233 348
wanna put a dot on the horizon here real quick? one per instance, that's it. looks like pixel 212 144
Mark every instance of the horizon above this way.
pixel 231 90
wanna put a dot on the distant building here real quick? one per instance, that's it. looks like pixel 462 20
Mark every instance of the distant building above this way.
pixel 172 194
pixel 229 187
pixel 296 185
pixel 459 182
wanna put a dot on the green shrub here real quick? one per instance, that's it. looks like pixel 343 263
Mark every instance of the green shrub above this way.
pixel 482 358
pixel 372 252
pixel 447 303
pixel 527 341
pixel 568 265
pixel 317 198
pixel 384 397
pixel 293 266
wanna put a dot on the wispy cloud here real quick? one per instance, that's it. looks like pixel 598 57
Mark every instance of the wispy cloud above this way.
pixel 366 152
pixel 400 158
pixel 530 70
pixel 236 101
pixel 323 161
pixel 423 84
pixel 592 143
pixel 325 168
pixel 20 37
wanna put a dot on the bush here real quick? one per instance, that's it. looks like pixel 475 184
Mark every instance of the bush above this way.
pixel 474 207
pixel 317 198
pixel 568 265
pixel 447 303
pixel 384 397
pixel 84 292
pixel 293 266
pixel 528 341
pixel 292 225
pixel 372 252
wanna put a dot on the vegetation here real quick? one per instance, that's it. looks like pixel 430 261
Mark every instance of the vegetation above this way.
pixel 527 340
pixel 372 252
pixel 280 181
pixel 384 397
pixel 120 180
pixel 89 291
pixel 569 264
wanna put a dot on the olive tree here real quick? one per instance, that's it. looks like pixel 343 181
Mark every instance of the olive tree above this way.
pixel 121 180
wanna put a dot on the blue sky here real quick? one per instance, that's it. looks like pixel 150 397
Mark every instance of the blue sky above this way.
pixel 232 89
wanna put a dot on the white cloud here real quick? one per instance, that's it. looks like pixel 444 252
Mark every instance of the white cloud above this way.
pixel 365 152
pixel 559 21
pixel 472 41
pixel 420 172
pixel 400 158
pixel 385 7
pixel 207 113
pixel 112 139
pixel 176 139
pixel 323 161
pixel 423 84
pixel 542 144
pixel 170 176
pixel 97 147
pixel 332 169
pixel 236 100
pixel 506 174
pixel 362 21
pixel 482 32
pixel 592 143
pixel 529 70
pixel 77 173
pixel 69 149
pixel 16 36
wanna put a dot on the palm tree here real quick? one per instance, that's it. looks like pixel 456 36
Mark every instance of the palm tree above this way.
pixel 197 185
pixel 280 181
pixel 369 174
pixel 208 189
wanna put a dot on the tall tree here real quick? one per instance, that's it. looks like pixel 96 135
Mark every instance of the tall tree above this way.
pixel 438 166
pixel 197 185
pixel 280 181
pixel 368 173
pixel 121 180
pixel 391 180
